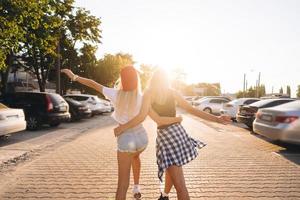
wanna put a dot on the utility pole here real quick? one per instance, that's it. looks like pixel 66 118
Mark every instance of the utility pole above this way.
pixel 58 90
pixel 245 85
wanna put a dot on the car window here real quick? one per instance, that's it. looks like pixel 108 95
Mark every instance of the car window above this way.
pixel 294 105
pixel 56 99
pixel 79 98
pixel 276 103
pixel 35 98
pixel 217 101
pixel 261 103
pixel 17 99
pixel 249 101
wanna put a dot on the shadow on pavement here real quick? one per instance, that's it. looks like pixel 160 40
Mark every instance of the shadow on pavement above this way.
pixel 289 151
pixel 27 135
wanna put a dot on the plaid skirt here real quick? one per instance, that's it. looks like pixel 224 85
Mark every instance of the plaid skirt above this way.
pixel 175 147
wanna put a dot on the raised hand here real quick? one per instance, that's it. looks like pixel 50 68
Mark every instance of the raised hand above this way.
pixel 68 72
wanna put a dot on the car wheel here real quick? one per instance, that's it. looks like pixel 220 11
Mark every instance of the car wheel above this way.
pixel 33 123
pixel 54 124
pixel 208 110
pixel 74 116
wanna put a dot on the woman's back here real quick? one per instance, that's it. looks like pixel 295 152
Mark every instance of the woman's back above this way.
pixel 167 108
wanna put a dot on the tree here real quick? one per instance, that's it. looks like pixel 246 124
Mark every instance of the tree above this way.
pixel 147 71
pixel 178 77
pixel 210 89
pixel 261 90
pixel 108 68
pixel 15 16
pixel 298 91
pixel 40 28
pixel 281 90
pixel 288 90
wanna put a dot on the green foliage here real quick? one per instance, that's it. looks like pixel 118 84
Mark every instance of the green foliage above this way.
pixel 210 89
pixel 147 71
pixel 34 30
pixel 281 90
pixel 253 92
pixel 107 69
pixel 288 90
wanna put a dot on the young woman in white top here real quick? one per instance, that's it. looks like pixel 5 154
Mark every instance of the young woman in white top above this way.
pixel 127 100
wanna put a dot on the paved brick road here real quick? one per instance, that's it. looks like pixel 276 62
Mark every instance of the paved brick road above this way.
pixel 234 165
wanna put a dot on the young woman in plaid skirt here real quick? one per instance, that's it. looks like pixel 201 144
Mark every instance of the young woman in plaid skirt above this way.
pixel 174 147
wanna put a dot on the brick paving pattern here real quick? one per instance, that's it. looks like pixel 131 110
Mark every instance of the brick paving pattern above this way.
pixel 234 165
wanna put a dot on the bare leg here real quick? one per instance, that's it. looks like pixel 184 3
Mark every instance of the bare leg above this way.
pixel 136 168
pixel 124 165
pixel 177 177
pixel 168 183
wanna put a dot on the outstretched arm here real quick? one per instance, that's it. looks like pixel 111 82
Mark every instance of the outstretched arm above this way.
pixel 85 81
pixel 199 113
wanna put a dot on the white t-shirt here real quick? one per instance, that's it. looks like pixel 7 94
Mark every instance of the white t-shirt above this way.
pixel 111 94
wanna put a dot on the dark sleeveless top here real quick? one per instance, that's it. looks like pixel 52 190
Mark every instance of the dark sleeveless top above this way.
pixel 168 109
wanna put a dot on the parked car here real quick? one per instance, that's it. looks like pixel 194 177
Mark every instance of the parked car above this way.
pixel 92 101
pixel 231 108
pixel 280 122
pixel 40 108
pixel 246 114
pixel 11 120
pixel 78 110
pixel 189 99
pixel 197 99
pixel 108 107
pixel 211 105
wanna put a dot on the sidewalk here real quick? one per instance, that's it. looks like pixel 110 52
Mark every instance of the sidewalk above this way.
pixel 234 165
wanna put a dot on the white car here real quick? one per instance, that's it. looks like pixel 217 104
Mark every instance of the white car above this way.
pixel 231 108
pixel 280 122
pixel 92 101
pixel 108 107
pixel 211 105
pixel 11 120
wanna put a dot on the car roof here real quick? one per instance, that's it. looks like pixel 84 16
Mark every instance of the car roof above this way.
pixel 291 106
pixel 81 95
pixel 266 101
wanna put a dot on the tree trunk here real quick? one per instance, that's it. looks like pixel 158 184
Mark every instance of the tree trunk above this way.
pixel 4 73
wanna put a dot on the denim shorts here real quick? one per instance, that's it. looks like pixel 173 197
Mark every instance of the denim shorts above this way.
pixel 133 140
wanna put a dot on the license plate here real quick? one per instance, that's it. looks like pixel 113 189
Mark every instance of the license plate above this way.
pixel 266 118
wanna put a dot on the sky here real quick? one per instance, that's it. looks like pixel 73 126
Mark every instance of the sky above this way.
pixel 212 40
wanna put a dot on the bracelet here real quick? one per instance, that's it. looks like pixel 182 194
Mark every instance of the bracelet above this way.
pixel 74 77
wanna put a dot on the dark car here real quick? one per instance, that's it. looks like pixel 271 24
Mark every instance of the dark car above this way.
pixel 247 113
pixel 78 110
pixel 39 108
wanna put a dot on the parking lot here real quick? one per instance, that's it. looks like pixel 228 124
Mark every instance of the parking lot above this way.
pixel 73 161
